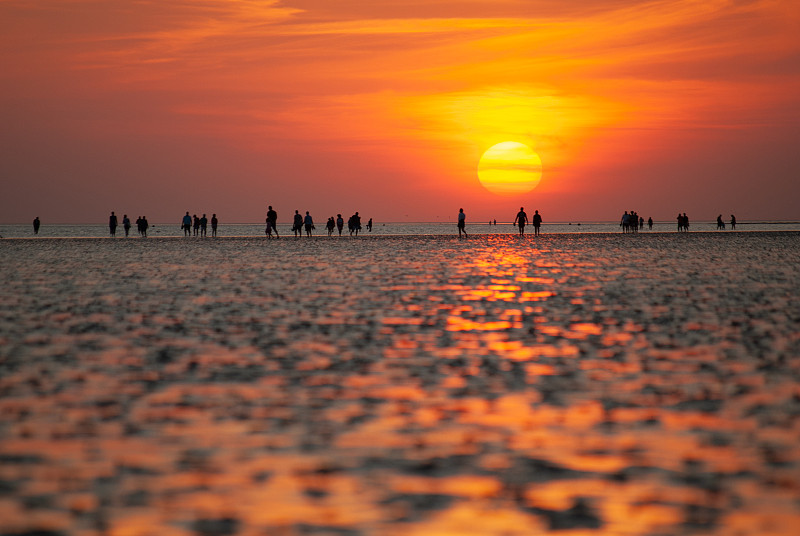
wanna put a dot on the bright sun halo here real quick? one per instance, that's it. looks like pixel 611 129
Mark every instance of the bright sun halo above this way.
pixel 510 168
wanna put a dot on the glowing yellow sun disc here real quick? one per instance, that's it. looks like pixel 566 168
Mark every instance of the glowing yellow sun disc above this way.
pixel 510 168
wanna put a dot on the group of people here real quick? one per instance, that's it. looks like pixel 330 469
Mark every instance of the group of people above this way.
pixel 521 220
pixel 198 226
pixel 631 222
pixel 721 224
pixel 301 223
pixel 141 225
pixel 353 224
pixel 683 223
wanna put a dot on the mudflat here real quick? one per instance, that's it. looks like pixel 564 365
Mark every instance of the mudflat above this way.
pixel 600 384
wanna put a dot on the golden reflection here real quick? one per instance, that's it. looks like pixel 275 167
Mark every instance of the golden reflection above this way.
pixel 459 324
pixel 527 392
pixel 477 517
pixel 458 486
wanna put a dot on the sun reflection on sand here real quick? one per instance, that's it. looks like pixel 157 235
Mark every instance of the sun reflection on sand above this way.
pixel 494 387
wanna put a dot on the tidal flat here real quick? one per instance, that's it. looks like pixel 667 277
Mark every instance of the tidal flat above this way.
pixel 597 384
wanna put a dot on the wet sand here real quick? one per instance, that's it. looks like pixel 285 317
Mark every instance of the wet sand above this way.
pixel 569 384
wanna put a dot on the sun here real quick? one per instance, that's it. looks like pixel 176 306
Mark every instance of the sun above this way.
pixel 510 168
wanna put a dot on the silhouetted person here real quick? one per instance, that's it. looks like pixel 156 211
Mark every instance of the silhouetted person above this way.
pixel 356 224
pixel 186 224
pixel 462 222
pixel 196 224
pixel 630 222
pixel 339 223
pixel 641 222
pixel 369 225
pixel 683 222
pixel 495 222
pixel 720 223
pixel 650 223
pixel 272 222
pixel 309 223
pixel 330 225
pixel 297 227
pixel 522 218
pixel 214 223
pixel 126 224
pixel 537 222
pixel 625 222
pixel 733 222
pixel 203 226
pixel 36 224
pixel 145 226
pixel 112 224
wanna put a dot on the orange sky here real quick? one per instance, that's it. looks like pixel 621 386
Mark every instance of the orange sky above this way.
pixel 225 106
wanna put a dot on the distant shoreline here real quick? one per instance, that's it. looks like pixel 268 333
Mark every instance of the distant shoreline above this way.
pixel 257 230
pixel 388 236
pixel 473 222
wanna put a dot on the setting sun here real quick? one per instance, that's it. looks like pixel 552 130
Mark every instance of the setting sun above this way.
pixel 510 168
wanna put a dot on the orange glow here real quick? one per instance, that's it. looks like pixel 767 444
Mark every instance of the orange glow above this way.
pixel 605 94
pixel 475 486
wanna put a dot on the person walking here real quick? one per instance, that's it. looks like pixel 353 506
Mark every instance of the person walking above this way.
pixel 214 223
pixel 462 222
pixel 36 224
pixel 297 226
pixel 112 224
pixel 186 224
pixel 733 222
pixel 355 224
pixel 537 222
pixel 272 222
pixel 625 222
pixel 522 218
pixel 126 224
pixel 308 221
pixel 339 223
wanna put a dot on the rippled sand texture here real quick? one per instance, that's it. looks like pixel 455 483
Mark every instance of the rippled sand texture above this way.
pixel 575 385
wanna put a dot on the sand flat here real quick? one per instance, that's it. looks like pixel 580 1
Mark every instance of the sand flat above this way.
pixel 574 384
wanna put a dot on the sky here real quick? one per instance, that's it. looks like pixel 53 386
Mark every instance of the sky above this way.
pixel 226 106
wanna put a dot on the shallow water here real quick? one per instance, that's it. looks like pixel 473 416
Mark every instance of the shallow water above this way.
pixel 241 230
pixel 573 384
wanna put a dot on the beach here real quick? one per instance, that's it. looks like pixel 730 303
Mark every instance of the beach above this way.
pixel 572 383
pixel 437 228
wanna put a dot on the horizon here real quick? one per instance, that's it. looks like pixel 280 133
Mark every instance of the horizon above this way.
pixel 395 105
pixel 451 221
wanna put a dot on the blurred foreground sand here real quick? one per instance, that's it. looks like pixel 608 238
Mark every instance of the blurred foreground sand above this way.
pixel 573 384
